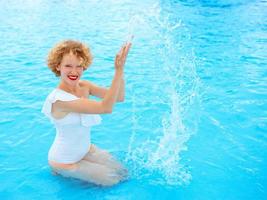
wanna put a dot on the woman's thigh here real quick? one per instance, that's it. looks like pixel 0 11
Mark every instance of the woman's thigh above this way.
pixel 98 155
pixel 103 157
pixel 92 172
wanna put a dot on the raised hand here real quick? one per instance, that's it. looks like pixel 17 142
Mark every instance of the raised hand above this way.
pixel 122 55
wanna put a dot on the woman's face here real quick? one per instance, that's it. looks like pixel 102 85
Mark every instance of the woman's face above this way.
pixel 70 69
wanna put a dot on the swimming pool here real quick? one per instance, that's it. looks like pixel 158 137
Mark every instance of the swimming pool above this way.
pixel 193 125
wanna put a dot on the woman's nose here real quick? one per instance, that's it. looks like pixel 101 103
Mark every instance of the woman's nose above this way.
pixel 74 70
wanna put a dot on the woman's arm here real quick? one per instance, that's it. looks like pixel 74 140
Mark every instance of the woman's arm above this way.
pixel 121 94
pixel 100 92
pixel 112 93
pixel 88 106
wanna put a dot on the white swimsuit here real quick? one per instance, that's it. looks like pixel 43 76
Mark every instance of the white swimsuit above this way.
pixel 72 139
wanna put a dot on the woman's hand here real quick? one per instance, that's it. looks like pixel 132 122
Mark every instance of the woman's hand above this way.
pixel 121 56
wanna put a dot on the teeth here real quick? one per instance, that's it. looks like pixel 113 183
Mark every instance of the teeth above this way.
pixel 73 77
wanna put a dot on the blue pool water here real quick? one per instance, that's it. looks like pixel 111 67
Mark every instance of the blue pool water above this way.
pixel 194 122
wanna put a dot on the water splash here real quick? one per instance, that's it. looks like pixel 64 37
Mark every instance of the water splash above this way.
pixel 161 153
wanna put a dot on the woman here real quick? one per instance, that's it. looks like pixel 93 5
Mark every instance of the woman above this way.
pixel 68 107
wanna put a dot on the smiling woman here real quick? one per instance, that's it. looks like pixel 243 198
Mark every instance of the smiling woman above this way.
pixel 68 107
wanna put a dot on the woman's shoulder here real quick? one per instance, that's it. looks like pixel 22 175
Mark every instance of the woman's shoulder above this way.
pixel 53 96
pixel 84 84
pixel 59 94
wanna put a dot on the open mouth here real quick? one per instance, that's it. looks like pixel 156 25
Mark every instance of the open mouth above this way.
pixel 73 78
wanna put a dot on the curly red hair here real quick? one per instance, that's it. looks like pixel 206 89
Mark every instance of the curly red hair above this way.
pixel 64 47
